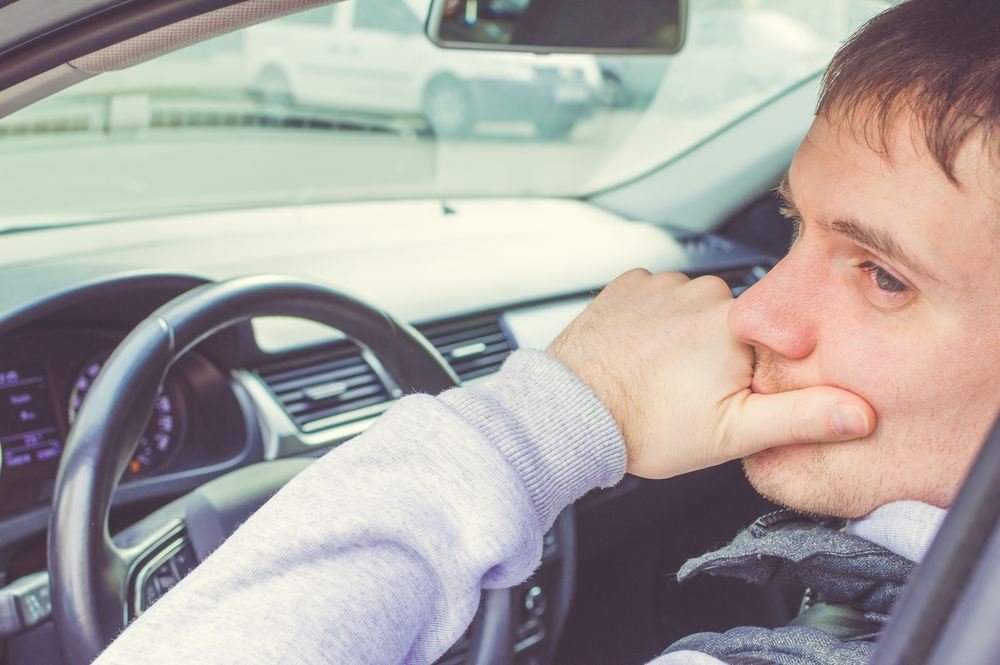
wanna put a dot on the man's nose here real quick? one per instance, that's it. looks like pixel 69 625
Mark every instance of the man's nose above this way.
pixel 779 311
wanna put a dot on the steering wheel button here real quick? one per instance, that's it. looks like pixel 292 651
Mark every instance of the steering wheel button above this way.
pixel 185 561
pixel 150 594
pixel 167 582
pixel 36 606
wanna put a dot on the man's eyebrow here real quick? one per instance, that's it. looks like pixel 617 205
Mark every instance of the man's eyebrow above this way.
pixel 875 239
pixel 880 242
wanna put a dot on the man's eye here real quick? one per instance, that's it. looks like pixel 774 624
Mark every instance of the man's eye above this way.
pixel 883 278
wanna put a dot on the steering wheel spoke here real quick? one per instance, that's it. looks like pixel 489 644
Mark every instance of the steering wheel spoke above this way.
pixel 159 556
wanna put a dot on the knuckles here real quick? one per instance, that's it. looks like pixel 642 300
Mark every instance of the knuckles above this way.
pixel 628 281
pixel 712 287
pixel 639 281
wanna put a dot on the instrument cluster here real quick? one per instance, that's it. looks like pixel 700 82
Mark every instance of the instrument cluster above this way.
pixel 44 381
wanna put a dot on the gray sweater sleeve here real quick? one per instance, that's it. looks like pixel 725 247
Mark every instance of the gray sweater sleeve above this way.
pixel 377 552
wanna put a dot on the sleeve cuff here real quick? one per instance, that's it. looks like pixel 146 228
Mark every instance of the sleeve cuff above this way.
pixel 557 434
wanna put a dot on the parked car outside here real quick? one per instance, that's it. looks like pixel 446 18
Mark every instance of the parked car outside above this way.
pixel 373 55
pixel 629 80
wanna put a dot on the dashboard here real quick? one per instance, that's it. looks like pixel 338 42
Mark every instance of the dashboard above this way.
pixel 477 278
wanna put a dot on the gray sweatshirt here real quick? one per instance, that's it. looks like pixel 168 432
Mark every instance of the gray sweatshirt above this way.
pixel 377 553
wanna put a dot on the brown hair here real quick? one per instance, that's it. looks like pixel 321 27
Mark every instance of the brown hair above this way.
pixel 938 60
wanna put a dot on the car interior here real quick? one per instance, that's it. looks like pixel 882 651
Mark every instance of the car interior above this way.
pixel 211 279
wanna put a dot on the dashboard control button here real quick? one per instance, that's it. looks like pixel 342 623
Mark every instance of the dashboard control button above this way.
pixel 534 601
pixel 527 629
pixel 550 544
pixel 25 603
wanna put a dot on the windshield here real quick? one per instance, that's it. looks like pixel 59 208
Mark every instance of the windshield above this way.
pixel 352 102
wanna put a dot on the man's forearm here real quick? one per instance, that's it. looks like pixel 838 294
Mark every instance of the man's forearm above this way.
pixel 378 551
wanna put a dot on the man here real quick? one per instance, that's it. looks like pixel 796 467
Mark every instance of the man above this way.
pixel 378 552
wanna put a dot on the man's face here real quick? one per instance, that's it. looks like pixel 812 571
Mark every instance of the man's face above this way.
pixel 891 291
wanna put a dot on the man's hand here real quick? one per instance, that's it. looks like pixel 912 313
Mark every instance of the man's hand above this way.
pixel 658 352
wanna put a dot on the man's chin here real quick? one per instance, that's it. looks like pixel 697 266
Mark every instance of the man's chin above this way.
pixel 802 478
pixel 763 470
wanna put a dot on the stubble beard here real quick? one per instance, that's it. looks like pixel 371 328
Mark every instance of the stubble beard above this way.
pixel 770 377
pixel 804 477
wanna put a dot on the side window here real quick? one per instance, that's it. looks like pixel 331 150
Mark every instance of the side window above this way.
pixel 387 15
pixel 318 16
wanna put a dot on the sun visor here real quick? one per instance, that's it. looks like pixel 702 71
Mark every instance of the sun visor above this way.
pixel 189 31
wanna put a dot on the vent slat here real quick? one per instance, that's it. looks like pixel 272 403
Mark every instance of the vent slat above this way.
pixel 473 345
pixel 323 377
pixel 464 335
pixel 493 361
pixel 334 381
pixel 490 351
pixel 295 396
pixel 489 340
pixel 438 328
pixel 291 369
pixel 343 408
pixel 307 405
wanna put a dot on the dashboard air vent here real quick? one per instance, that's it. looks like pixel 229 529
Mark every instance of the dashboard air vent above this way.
pixel 474 345
pixel 326 388
pixel 706 245
pixel 741 267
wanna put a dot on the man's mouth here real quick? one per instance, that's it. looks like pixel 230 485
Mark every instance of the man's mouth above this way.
pixel 770 376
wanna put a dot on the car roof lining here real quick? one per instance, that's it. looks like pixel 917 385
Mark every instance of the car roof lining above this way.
pixel 189 31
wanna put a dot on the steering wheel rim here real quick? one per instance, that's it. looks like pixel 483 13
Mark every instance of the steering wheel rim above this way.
pixel 88 571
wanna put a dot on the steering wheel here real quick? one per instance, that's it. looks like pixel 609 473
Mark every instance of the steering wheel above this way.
pixel 95 578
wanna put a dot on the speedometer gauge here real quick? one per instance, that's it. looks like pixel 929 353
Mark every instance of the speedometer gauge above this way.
pixel 162 437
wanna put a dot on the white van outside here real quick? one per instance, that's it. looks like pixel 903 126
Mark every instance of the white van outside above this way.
pixel 373 56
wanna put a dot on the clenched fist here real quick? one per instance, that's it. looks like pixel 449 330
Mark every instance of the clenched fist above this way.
pixel 658 352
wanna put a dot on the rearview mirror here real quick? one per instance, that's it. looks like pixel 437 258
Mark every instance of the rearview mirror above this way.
pixel 560 26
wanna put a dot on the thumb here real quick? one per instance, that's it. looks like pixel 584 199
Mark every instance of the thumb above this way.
pixel 810 415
